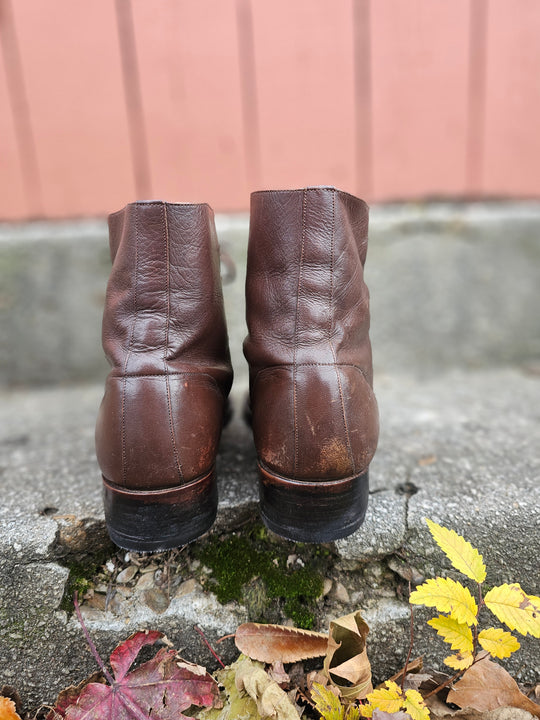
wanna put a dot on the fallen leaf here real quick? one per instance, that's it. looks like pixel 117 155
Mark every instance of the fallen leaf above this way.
pixel 272 701
pixel 413 666
pixel 487 686
pixel 69 696
pixel 277 672
pixel 237 705
pixel 8 710
pixel 326 703
pixel 382 715
pixel 346 658
pixel 268 643
pixel 159 687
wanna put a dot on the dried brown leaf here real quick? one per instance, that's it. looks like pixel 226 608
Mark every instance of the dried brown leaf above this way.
pixel 271 700
pixel 487 686
pixel 346 662
pixel 268 643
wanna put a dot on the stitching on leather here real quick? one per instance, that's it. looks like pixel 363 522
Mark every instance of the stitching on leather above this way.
pixel 338 375
pixel 131 339
pixel 298 290
pixel 166 350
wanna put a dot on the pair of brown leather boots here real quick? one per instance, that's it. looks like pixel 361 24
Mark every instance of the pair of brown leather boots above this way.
pixel 314 414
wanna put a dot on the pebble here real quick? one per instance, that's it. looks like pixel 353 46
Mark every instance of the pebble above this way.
pixel 110 566
pixel 156 600
pixel 340 593
pixel 186 588
pixel 327 586
pixel 145 581
pixel 127 574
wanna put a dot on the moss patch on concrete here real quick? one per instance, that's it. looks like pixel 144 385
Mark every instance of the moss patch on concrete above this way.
pixel 269 576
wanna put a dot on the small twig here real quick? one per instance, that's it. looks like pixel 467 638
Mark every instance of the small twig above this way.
pixel 205 641
pixel 225 637
pixel 410 643
pixel 443 685
pixel 90 642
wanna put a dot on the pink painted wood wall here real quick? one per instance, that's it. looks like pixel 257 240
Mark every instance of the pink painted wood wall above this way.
pixel 107 101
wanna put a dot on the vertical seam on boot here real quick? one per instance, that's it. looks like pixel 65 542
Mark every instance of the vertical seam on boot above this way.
pixel 166 349
pixel 331 329
pixel 304 199
pixel 131 339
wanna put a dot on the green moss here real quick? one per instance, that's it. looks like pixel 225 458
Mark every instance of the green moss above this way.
pixel 82 574
pixel 252 568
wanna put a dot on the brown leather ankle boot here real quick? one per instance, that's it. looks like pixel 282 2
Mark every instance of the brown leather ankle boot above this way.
pixel 314 414
pixel 165 337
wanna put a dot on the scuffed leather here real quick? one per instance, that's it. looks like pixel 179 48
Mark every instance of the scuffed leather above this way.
pixel 314 412
pixel 165 337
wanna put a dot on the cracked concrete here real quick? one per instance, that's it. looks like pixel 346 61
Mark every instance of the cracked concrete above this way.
pixel 461 449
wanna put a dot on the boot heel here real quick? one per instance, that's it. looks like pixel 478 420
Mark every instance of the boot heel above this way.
pixel 313 511
pixel 156 520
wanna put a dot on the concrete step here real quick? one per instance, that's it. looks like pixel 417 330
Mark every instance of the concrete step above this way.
pixel 451 286
pixel 462 448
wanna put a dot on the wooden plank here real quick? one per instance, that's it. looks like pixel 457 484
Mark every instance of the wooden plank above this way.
pixel 13 200
pixel 420 60
pixel 188 59
pixel 71 65
pixel 512 129
pixel 305 91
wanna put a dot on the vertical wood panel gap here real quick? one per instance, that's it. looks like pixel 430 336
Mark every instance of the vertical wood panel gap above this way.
pixel 476 96
pixel 134 105
pixel 20 110
pixel 363 97
pixel 248 80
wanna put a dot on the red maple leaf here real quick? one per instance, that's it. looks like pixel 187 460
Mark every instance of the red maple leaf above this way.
pixel 159 689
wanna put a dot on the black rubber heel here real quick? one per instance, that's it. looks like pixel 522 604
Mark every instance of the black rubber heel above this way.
pixel 313 512
pixel 156 520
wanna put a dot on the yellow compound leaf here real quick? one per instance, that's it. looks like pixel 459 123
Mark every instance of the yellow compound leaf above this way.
pixel 414 705
pixel 457 634
pixel 463 556
pixel 388 699
pixel 461 661
pixel 326 703
pixel 446 595
pixel 511 605
pixel 498 642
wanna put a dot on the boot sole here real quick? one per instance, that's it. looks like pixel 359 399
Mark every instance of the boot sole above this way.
pixel 156 520
pixel 311 511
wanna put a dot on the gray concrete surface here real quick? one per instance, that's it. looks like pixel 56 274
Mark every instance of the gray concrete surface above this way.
pixel 451 286
pixel 462 449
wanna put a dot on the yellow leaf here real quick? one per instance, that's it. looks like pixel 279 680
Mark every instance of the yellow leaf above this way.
pixel 457 634
pixel 459 661
pixel 326 703
pixel 446 595
pixel 498 642
pixel 388 699
pixel 414 705
pixel 514 608
pixel 463 556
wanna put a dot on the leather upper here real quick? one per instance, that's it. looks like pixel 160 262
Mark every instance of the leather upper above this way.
pixel 314 412
pixel 165 337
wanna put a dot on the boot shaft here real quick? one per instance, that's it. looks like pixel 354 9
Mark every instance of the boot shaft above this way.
pixel 305 291
pixel 164 305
